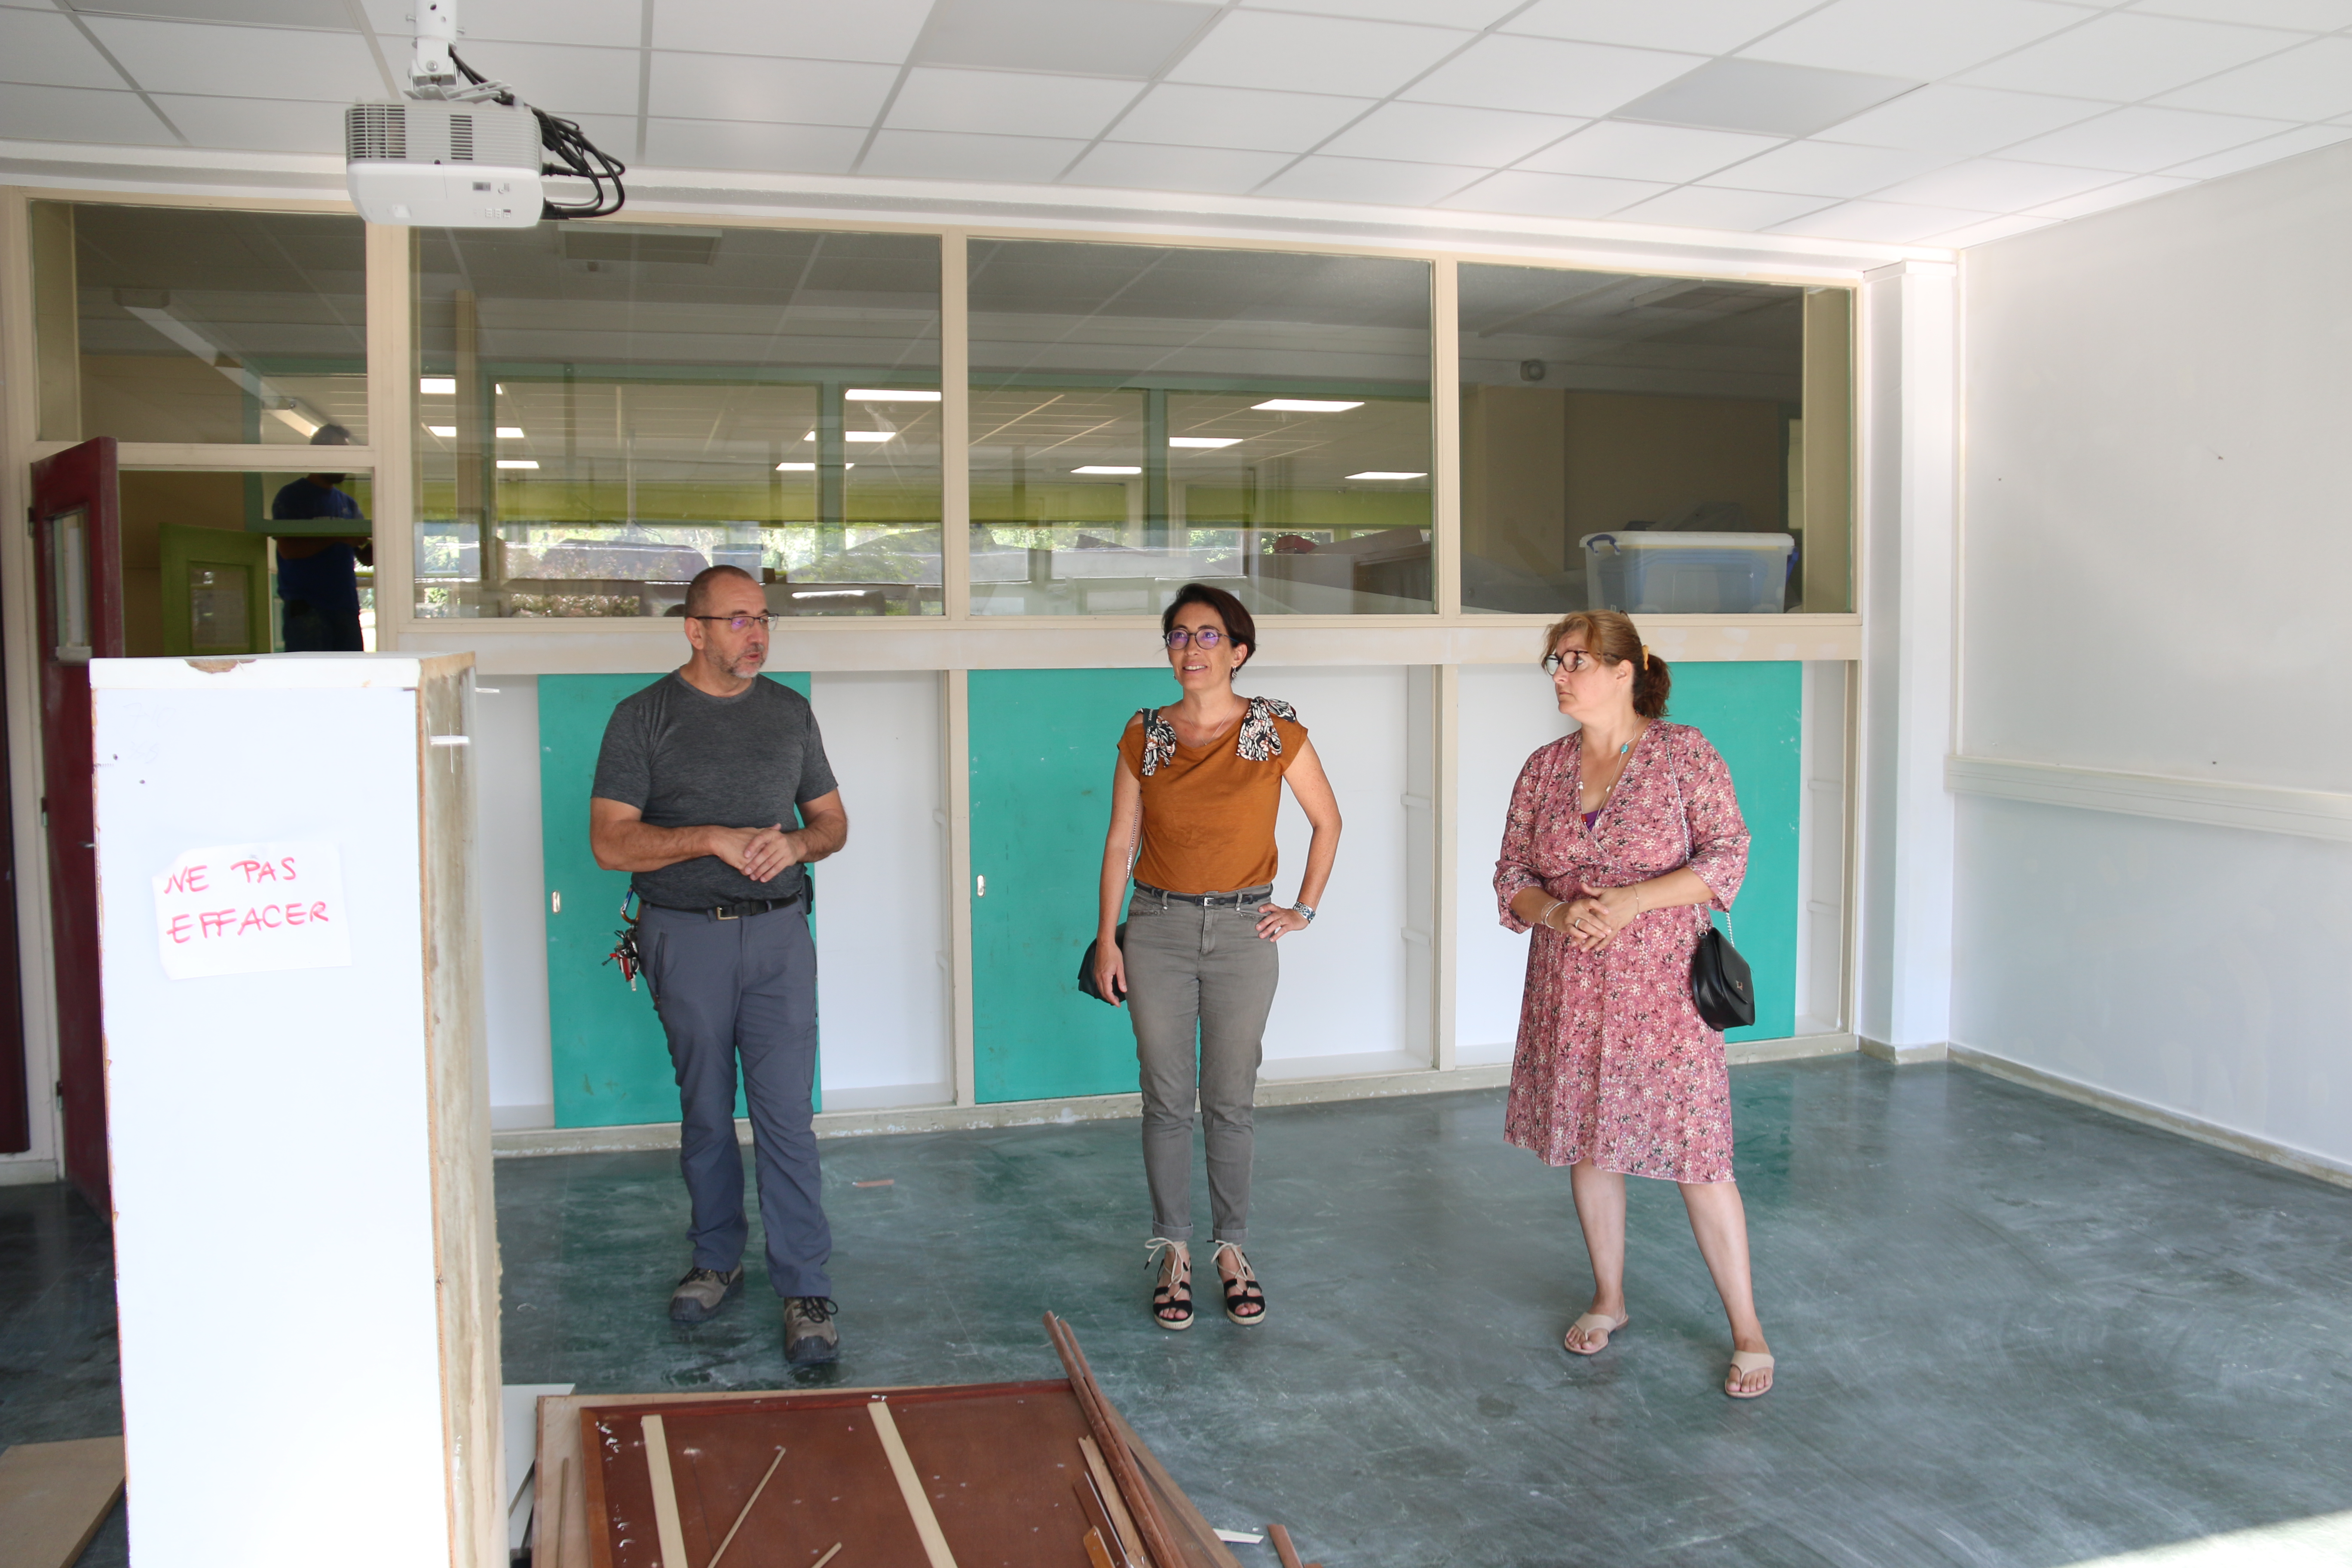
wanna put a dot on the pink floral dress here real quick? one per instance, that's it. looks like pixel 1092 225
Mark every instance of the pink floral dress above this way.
pixel 1614 1064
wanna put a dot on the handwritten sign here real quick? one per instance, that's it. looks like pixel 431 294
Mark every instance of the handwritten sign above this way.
pixel 243 909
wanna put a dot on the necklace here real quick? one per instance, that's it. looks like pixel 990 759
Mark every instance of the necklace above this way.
pixel 1623 752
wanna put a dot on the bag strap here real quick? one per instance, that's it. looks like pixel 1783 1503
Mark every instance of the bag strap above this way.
pixel 1682 814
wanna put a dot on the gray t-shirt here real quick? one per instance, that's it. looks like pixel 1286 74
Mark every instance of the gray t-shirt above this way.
pixel 685 758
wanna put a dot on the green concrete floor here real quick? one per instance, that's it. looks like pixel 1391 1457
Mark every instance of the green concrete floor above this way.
pixel 2011 1330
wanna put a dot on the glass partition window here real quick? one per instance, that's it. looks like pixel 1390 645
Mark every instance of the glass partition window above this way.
pixel 176 324
pixel 607 409
pixel 1145 416
pixel 1653 445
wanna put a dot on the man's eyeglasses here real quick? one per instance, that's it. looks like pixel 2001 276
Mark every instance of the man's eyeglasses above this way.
pixel 738 623
pixel 1207 636
pixel 1577 660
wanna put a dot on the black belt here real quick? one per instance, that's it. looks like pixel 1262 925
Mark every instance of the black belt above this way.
pixel 1208 900
pixel 737 911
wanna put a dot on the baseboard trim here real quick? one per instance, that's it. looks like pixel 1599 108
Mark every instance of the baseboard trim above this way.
pixel 2300 1160
pixel 1905 1055
pixel 19 1171
pixel 1797 1048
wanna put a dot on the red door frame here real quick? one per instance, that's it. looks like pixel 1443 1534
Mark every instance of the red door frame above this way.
pixel 82 479
pixel 15 1069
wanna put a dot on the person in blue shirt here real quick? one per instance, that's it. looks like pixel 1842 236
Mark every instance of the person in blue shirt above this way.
pixel 318 578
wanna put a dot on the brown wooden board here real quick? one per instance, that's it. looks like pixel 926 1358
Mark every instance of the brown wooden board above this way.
pixel 53 1498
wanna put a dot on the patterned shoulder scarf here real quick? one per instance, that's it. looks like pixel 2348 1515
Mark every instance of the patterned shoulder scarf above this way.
pixel 1259 740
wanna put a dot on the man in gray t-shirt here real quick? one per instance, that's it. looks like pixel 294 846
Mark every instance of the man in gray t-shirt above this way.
pixel 712 790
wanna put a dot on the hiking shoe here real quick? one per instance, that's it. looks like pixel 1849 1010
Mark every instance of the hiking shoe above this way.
pixel 701 1293
pixel 810 1336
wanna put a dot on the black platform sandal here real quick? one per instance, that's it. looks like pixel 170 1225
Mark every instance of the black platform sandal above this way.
pixel 1171 1297
pixel 1244 1298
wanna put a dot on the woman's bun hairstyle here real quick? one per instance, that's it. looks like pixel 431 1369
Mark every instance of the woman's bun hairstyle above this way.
pixel 1611 634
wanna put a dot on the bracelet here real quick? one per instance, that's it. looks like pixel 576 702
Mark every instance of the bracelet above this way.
pixel 1306 909
pixel 1544 919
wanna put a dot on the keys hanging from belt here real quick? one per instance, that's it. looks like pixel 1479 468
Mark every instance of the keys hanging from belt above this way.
pixel 625 946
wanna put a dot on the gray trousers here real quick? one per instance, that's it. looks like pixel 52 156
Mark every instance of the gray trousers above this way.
pixel 744 989
pixel 1200 982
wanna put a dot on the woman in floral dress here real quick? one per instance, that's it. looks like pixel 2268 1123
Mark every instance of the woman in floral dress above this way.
pixel 1620 838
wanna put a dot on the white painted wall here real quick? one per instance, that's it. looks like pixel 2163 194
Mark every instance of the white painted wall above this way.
pixel 514 911
pixel 2156 560
pixel 881 913
pixel 1506 713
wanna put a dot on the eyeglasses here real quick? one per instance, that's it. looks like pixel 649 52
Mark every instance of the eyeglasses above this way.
pixel 1577 660
pixel 1206 637
pixel 738 623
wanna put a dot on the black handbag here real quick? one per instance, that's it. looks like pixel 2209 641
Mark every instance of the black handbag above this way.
pixel 1087 967
pixel 1722 989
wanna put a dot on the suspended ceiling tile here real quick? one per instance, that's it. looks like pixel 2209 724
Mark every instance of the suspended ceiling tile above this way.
pixel 2127 55
pixel 1443 13
pixel 255 124
pixel 1765 97
pixel 1826 169
pixel 1624 150
pixel 1133 38
pixel 1962 120
pixel 939 155
pixel 881 30
pixel 194 56
pixel 1553 195
pixel 1225 170
pixel 1314 54
pixel 1703 27
pixel 1703 207
pixel 1884 223
pixel 2302 139
pixel 2315 15
pixel 614 24
pixel 1370 180
pixel 1986 230
pixel 2312 82
pixel 725 144
pixel 1448 133
pixel 47 48
pixel 243 13
pixel 1546 76
pixel 758 89
pixel 1008 103
pixel 1173 115
pixel 563 77
pixel 1907 38
pixel 36 114
pixel 2143 140
pixel 1996 185
pixel 2114 195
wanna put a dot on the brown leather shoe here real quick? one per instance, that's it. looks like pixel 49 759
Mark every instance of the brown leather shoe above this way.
pixel 811 1338
pixel 701 1293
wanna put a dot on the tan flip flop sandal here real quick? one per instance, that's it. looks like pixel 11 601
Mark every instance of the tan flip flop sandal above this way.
pixel 1742 1363
pixel 1587 1323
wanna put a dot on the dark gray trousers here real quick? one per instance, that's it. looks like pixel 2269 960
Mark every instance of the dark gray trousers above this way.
pixel 1200 983
pixel 744 989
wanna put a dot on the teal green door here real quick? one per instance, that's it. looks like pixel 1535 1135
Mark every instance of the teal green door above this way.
pixel 1753 714
pixel 612 1065
pixel 1043 745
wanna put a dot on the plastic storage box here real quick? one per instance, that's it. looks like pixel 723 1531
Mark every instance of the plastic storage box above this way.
pixel 1687 574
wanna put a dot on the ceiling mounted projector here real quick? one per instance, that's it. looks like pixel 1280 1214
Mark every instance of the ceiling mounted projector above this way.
pixel 467 154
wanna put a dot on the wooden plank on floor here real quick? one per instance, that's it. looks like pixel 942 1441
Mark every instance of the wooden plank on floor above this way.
pixel 53 1498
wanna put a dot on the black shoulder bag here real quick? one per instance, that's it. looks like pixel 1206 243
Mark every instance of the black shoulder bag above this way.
pixel 1721 987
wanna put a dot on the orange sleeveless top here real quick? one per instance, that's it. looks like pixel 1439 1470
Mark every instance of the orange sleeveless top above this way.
pixel 1209 811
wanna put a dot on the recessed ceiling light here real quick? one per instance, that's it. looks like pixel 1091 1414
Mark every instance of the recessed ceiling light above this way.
pixel 438 385
pixel 1204 440
pixel 1380 474
pixel 445 431
pixel 890 395
pixel 511 433
pixel 1305 406
pixel 518 462
pixel 796 467
pixel 1105 468
pixel 869 435
pixel 1765 96
pixel 829 592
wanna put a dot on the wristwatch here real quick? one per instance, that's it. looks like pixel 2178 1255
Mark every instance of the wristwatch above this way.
pixel 1306 909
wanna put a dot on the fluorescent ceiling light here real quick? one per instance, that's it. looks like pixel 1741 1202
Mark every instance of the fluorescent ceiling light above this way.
pixel 500 389
pixel 831 594
pixel 890 395
pixel 510 431
pixel 306 428
pixel 438 385
pixel 518 462
pixel 1204 440
pixel 1305 406
pixel 445 432
pixel 859 435
pixel 796 467
pixel 1105 468
pixel 1382 474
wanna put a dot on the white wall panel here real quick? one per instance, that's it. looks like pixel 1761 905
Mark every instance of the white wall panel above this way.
pixel 881 920
pixel 514 915
pixel 1506 713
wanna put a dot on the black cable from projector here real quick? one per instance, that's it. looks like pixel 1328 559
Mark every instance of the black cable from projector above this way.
pixel 572 153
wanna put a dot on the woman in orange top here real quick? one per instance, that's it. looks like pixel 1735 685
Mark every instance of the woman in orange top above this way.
pixel 1194 800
